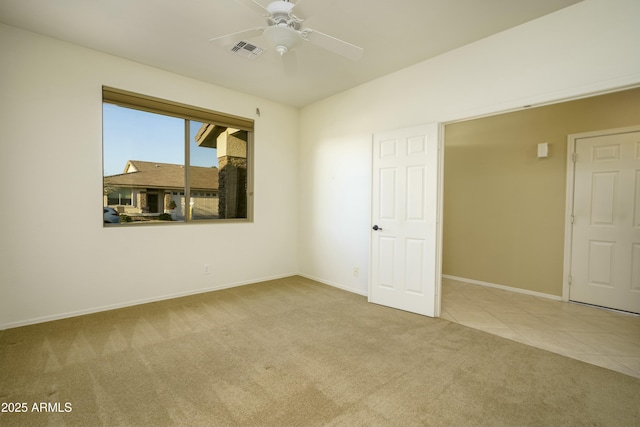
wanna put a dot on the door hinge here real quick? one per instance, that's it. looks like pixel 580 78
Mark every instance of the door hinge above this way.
pixel 569 280
pixel 572 219
pixel 574 156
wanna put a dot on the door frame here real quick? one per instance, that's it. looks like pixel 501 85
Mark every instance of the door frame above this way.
pixel 568 225
pixel 439 218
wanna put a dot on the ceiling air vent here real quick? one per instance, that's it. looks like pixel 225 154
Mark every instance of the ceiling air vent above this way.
pixel 247 50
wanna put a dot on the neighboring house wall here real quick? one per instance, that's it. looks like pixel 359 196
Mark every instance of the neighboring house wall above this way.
pixel 204 206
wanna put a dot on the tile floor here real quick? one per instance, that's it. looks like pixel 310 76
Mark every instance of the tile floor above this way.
pixel 597 336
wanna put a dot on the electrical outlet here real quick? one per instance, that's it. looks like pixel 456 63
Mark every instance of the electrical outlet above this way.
pixel 356 271
pixel 206 269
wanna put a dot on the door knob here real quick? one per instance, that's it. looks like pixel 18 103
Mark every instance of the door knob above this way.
pixel 376 228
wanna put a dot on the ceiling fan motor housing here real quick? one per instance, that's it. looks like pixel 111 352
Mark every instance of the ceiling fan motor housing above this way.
pixel 280 13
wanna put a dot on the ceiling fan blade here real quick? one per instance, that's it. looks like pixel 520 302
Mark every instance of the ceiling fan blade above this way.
pixel 254 5
pixel 333 44
pixel 231 39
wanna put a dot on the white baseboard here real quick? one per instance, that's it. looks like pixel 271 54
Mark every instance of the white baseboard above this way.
pixel 67 315
pixel 233 285
pixel 335 285
pixel 503 287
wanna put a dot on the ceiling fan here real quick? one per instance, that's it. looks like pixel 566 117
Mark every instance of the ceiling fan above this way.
pixel 284 31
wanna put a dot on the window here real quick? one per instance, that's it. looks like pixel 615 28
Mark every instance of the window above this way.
pixel 169 162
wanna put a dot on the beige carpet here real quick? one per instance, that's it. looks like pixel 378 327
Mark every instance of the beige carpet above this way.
pixel 297 353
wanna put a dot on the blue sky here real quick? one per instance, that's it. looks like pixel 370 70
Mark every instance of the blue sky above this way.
pixel 137 135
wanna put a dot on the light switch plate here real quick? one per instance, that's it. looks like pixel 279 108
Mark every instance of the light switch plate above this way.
pixel 543 149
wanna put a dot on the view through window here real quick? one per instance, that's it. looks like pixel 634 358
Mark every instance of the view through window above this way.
pixel 161 165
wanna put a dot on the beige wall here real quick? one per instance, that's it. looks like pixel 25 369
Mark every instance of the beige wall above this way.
pixel 504 209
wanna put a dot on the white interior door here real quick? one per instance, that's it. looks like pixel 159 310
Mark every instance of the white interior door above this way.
pixel 405 244
pixel 605 250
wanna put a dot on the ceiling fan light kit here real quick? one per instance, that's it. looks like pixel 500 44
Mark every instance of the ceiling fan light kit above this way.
pixel 282 38
pixel 284 31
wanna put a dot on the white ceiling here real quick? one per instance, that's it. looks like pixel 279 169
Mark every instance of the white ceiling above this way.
pixel 174 36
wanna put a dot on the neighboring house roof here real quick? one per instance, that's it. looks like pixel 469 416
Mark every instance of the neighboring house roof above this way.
pixel 140 174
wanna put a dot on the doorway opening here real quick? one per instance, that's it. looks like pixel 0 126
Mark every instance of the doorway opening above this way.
pixel 504 208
